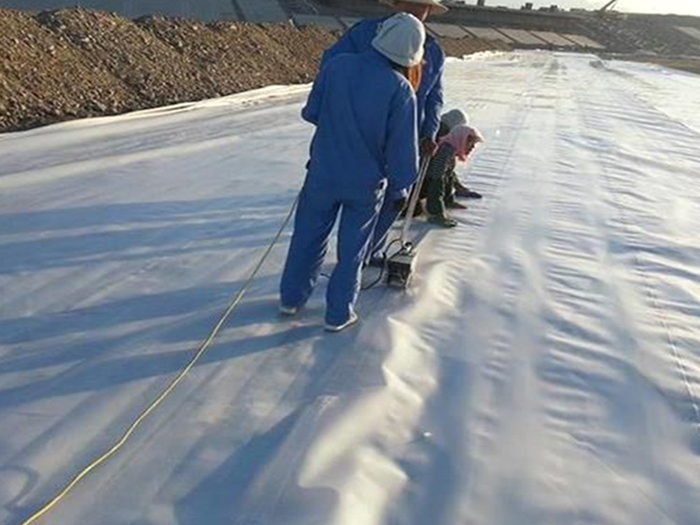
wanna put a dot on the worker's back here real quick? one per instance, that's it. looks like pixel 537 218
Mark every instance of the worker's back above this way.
pixel 429 95
pixel 365 113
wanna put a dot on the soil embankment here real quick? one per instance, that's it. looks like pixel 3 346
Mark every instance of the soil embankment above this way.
pixel 75 63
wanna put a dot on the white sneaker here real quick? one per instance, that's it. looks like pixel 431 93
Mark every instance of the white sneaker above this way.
pixel 339 328
pixel 289 311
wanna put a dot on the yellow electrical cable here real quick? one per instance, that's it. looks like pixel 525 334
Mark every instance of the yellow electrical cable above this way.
pixel 200 352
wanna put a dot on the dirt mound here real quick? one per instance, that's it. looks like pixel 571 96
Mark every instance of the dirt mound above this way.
pixel 237 56
pixel 45 79
pixel 154 71
pixel 74 63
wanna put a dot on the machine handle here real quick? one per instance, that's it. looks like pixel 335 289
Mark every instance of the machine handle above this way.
pixel 413 202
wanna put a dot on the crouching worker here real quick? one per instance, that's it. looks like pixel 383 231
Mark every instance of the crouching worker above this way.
pixel 456 145
pixel 365 146
pixel 455 187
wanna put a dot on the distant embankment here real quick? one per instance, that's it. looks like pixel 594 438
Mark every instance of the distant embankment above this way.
pixel 75 63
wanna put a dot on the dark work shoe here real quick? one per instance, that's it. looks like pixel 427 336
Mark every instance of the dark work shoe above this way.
pixel 466 193
pixel 443 221
pixel 454 205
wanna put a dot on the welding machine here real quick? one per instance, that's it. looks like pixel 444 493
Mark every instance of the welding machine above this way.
pixel 401 265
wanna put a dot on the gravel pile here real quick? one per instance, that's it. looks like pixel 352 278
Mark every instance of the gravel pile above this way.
pixel 75 63
pixel 45 79
pixel 236 57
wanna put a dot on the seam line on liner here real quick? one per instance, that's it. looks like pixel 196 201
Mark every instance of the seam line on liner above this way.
pixel 647 286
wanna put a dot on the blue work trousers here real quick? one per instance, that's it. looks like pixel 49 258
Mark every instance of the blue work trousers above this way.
pixel 387 217
pixel 316 214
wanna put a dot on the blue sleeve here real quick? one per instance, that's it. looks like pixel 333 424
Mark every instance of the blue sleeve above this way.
pixel 433 103
pixel 312 110
pixel 402 141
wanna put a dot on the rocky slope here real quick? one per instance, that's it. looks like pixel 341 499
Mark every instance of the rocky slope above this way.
pixel 75 63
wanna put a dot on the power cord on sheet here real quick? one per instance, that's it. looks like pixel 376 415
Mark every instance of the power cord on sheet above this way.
pixel 384 256
pixel 385 264
pixel 198 354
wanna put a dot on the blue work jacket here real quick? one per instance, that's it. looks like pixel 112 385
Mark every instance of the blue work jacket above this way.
pixel 430 93
pixel 365 117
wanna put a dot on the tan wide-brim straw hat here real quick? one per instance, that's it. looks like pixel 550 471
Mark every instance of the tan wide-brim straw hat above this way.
pixel 435 4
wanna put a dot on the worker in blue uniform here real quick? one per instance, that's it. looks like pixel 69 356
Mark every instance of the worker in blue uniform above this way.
pixel 364 147
pixel 429 93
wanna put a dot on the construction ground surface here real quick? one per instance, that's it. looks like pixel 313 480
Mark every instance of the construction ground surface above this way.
pixel 59 64
pixel 542 368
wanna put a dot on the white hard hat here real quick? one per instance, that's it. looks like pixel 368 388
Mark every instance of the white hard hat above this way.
pixel 435 4
pixel 401 39
pixel 455 117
